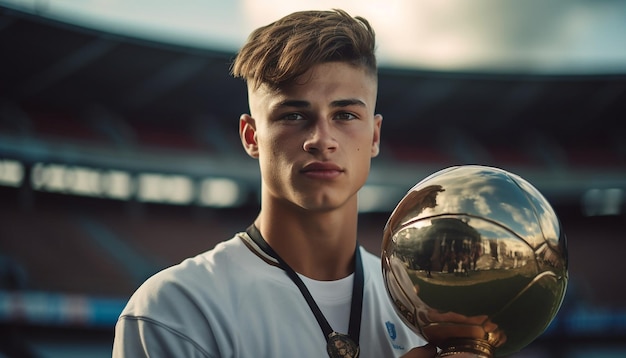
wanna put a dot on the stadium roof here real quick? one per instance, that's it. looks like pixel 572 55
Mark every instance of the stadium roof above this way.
pixel 561 131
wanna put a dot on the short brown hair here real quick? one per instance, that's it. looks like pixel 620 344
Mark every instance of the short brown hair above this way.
pixel 278 53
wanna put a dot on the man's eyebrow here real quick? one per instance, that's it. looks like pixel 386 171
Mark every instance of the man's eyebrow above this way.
pixel 347 102
pixel 305 104
pixel 293 103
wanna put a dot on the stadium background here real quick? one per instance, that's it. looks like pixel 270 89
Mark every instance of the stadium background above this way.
pixel 119 156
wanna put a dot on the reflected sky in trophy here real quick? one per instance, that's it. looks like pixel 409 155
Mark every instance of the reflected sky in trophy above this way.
pixel 475 256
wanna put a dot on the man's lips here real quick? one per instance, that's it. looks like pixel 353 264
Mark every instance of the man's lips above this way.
pixel 322 170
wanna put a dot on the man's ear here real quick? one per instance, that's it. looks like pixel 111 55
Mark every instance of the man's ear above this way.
pixel 247 133
pixel 378 121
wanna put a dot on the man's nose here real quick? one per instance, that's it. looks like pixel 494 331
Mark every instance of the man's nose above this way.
pixel 320 137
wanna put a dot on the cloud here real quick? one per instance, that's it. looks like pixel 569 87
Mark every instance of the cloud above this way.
pixel 556 36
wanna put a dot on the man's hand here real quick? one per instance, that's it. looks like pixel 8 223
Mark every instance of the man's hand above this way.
pixel 430 351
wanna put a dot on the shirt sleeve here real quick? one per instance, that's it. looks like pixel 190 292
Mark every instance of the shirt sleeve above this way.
pixel 144 337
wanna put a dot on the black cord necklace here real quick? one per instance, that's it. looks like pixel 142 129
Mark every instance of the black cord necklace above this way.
pixel 338 344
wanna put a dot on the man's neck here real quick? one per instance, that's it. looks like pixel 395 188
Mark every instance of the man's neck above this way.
pixel 317 245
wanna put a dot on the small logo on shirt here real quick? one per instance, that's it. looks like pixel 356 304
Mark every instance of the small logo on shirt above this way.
pixel 391 329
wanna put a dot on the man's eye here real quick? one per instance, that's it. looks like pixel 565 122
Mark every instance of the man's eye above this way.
pixel 292 117
pixel 345 116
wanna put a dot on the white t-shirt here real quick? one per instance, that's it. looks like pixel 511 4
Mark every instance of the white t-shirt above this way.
pixel 334 298
pixel 233 301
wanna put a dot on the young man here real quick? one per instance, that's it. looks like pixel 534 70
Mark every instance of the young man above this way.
pixel 296 283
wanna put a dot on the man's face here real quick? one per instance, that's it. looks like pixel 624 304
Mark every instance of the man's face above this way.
pixel 314 138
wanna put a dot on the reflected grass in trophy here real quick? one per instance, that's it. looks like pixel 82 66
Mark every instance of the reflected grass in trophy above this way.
pixel 475 260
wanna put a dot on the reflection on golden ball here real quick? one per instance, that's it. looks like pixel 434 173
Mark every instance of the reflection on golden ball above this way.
pixel 475 259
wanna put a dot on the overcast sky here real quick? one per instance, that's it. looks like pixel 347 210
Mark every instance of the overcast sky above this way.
pixel 531 36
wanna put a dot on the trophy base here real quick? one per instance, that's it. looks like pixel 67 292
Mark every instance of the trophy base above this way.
pixel 478 347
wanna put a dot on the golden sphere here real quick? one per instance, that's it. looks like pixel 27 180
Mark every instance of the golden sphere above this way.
pixel 474 258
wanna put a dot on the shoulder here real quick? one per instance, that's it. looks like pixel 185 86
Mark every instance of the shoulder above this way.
pixel 204 265
pixel 195 279
pixel 175 310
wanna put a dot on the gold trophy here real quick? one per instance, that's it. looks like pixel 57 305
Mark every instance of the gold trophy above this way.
pixel 475 261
